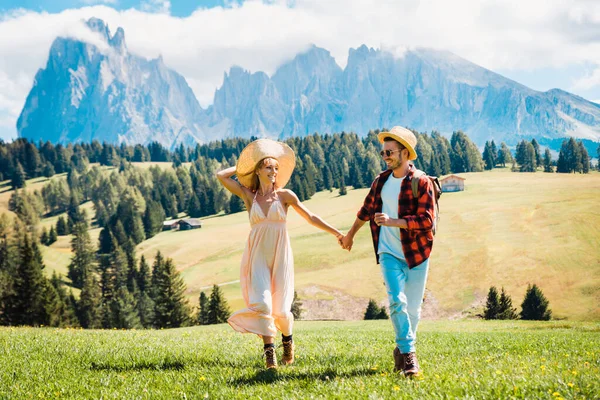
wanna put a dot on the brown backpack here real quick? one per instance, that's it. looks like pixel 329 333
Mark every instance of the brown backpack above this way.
pixel 437 193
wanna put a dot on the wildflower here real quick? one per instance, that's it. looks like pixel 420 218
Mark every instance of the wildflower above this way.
pixel 570 384
pixel 543 367
pixel 574 372
pixel 556 394
pixel 373 368
pixel 202 378
pixel 396 387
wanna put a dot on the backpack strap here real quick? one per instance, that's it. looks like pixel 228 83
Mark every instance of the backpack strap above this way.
pixel 415 182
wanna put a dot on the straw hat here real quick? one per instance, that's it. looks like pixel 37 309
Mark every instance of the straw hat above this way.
pixel 404 136
pixel 263 148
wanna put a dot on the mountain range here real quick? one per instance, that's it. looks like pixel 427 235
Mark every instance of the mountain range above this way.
pixel 107 93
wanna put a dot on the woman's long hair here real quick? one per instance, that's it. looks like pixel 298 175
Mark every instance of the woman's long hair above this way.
pixel 255 181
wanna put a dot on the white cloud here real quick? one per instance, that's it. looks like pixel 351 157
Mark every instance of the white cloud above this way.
pixel 156 6
pixel 261 35
pixel 588 81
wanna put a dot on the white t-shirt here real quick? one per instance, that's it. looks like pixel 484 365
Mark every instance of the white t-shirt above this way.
pixel 389 236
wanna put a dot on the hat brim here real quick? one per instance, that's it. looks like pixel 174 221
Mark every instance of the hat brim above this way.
pixel 412 154
pixel 259 150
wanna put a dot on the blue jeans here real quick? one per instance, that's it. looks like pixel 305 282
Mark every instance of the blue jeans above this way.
pixel 405 289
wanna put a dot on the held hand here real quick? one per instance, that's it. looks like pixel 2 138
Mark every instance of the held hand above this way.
pixel 339 238
pixel 346 242
pixel 382 219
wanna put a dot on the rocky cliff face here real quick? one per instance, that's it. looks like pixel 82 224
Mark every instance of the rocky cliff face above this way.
pixel 108 94
pixel 86 92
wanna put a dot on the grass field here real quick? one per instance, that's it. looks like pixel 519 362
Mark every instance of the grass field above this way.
pixel 460 359
pixel 506 229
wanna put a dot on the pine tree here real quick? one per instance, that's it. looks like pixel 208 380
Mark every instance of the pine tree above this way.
pixel 492 305
pixel 61 227
pixel 203 309
pixel 505 308
pixel 83 259
pixel 585 158
pixel 144 301
pixel 536 149
pixel 296 307
pixel 30 285
pixel 194 209
pixel 63 314
pixel 153 218
pixel 236 205
pixel 488 156
pixel 372 311
pixel 342 185
pixel 105 241
pixel 562 165
pixel 44 237
pixel 547 161
pixel 218 309
pixel 52 236
pixel 528 163
pixel 382 314
pixel 170 304
pixel 89 307
pixel 494 151
pixel 535 305
pixel 124 309
pixel 18 178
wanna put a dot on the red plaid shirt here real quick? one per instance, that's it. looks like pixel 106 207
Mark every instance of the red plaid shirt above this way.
pixel 417 239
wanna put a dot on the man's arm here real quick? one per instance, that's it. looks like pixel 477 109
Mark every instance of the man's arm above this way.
pixel 423 219
pixel 348 240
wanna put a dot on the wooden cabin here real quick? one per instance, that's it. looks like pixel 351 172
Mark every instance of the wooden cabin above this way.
pixel 452 183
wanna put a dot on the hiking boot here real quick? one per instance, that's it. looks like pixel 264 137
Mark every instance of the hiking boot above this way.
pixel 398 361
pixel 270 358
pixel 411 365
pixel 288 352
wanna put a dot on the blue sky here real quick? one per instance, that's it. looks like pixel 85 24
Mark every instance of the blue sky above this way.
pixel 179 8
pixel 543 46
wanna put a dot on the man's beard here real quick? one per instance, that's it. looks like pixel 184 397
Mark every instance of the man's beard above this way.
pixel 394 165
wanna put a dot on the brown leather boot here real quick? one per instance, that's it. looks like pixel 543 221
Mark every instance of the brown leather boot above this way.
pixel 288 352
pixel 398 361
pixel 411 365
pixel 270 358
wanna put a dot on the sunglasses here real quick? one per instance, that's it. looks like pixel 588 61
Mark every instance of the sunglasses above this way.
pixel 388 153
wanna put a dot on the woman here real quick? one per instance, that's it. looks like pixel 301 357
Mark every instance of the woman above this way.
pixel 267 269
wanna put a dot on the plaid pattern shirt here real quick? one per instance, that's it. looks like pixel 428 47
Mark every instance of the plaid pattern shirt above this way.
pixel 417 239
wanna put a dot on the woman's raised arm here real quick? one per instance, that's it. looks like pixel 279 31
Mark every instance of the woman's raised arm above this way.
pixel 233 186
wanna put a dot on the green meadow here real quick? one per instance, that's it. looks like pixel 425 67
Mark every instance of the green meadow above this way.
pixel 506 229
pixel 345 360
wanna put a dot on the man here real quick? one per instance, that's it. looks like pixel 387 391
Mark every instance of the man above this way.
pixel 401 227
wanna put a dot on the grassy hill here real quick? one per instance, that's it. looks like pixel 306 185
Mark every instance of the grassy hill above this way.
pixel 347 360
pixel 507 229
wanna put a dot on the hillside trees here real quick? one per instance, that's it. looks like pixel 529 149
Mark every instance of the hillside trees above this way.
pixel 171 308
pixel 27 297
pixel 535 305
pixel 573 157
pixel 218 309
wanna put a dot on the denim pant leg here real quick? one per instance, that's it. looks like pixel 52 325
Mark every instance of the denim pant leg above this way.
pixel 405 290
pixel 414 288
